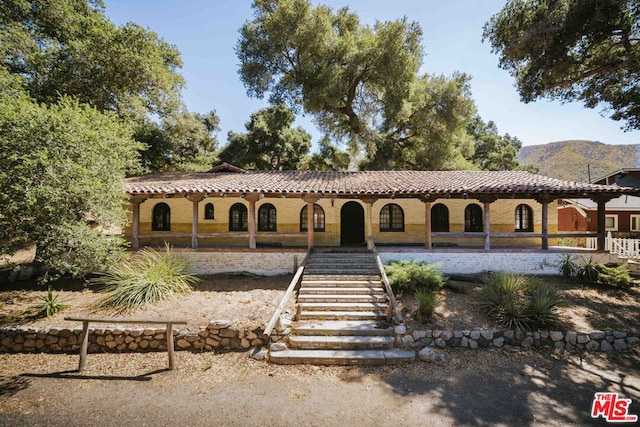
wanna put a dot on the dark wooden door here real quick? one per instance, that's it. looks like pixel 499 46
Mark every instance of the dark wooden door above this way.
pixel 352 224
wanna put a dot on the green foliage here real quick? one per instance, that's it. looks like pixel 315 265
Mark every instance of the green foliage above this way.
pixel 49 305
pixel 361 84
pixel 588 272
pixel 616 275
pixel 568 159
pixel 329 157
pixel 569 50
pixel 148 277
pixel 490 150
pixel 270 142
pixel 70 48
pixel 567 265
pixel 414 275
pixel 61 178
pixel 518 302
pixel 428 301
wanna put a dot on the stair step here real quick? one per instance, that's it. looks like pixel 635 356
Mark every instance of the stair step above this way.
pixel 341 357
pixel 311 342
pixel 341 282
pixel 342 315
pixel 343 327
pixel 362 290
pixel 343 306
pixel 347 298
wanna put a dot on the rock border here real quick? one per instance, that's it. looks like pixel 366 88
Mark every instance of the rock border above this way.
pixel 217 335
pixel 220 335
pixel 482 338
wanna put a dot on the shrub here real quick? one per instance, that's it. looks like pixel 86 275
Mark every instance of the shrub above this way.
pixel 567 265
pixel 428 301
pixel 414 275
pixel 518 302
pixel 616 275
pixel 49 305
pixel 147 277
pixel 588 272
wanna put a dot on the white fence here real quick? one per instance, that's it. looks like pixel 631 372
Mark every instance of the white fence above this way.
pixel 626 248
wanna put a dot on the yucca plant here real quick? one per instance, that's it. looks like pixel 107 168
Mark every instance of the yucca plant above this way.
pixel 428 301
pixel 567 265
pixel 148 277
pixel 518 302
pixel 49 305
pixel 543 303
pixel 588 272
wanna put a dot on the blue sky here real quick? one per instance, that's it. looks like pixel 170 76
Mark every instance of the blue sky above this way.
pixel 206 32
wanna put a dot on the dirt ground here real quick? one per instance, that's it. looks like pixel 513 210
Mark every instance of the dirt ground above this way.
pixel 497 387
pixel 250 301
pixel 485 387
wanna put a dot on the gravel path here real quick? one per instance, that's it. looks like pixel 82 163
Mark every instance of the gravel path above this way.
pixel 488 387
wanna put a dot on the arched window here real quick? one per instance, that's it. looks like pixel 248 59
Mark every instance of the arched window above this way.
pixel 524 218
pixel 318 218
pixel 238 217
pixel 473 218
pixel 161 220
pixel 391 218
pixel 440 218
pixel 208 211
pixel 267 217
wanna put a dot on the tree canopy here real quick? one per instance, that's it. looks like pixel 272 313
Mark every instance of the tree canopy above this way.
pixel 361 84
pixel 586 50
pixel 270 142
pixel 61 177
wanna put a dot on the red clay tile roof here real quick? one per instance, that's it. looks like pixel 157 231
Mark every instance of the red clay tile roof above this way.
pixel 373 183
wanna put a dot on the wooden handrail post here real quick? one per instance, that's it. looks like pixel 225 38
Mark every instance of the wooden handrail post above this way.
pixel 84 346
pixel 170 346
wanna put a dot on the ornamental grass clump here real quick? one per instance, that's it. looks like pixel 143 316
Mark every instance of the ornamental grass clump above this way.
pixel 49 305
pixel 519 302
pixel 428 301
pixel 148 277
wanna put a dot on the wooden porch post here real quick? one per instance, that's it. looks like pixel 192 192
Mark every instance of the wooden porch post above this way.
pixel 544 201
pixel 311 200
pixel 136 201
pixel 487 220
pixel 368 205
pixel 427 225
pixel 601 218
pixel 252 199
pixel 195 199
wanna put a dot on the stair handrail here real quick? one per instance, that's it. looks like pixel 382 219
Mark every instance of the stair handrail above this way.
pixel 285 299
pixel 385 281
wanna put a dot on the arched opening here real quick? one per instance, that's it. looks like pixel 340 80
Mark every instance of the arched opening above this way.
pixel 352 224
pixel 473 218
pixel 161 220
pixel 439 218
pixel 267 217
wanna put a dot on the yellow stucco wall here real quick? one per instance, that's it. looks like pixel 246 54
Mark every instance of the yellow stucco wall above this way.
pixel 288 221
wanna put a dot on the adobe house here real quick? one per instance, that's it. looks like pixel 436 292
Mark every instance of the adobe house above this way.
pixel 229 209
pixel 622 215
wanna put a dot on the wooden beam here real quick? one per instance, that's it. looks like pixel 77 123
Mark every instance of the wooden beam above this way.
pixel 545 225
pixel 487 225
pixel 428 244
pixel 252 198
pixel 311 200
pixel 195 198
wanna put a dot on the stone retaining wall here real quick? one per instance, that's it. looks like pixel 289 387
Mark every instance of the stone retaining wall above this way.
pixel 473 339
pixel 217 335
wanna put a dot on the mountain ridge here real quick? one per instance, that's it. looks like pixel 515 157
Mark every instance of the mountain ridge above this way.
pixel 579 160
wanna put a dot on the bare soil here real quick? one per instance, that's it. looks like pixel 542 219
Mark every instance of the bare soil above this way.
pixel 250 301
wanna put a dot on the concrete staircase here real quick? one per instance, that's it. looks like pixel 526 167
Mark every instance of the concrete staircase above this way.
pixel 342 314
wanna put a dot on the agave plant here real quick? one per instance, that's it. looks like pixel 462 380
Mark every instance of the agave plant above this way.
pixel 49 305
pixel 148 277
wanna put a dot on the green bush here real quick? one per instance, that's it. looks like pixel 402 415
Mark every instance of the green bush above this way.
pixel 518 302
pixel 147 277
pixel 414 275
pixel 613 274
pixel 428 301
pixel 49 305
pixel 616 275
